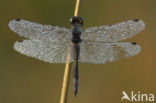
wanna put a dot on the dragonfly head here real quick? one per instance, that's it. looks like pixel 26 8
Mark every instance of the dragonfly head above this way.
pixel 76 21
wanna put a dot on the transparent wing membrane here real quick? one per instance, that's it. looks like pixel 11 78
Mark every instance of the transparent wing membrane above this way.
pixel 115 32
pixel 100 53
pixel 99 44
pixel 45 51
pixel 40 32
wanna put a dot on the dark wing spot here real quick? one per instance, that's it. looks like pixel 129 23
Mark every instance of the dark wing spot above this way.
pixel 17 19
pixel 134 43
pixel 20 41
pixel 136 20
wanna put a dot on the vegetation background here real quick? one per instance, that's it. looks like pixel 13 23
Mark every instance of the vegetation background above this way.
pixel 27 80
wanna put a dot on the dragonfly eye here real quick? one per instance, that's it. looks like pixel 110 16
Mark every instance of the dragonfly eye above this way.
pixel 76 21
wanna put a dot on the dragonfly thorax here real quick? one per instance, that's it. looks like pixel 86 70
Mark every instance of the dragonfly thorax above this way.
pixel 77 23
pixel 76 33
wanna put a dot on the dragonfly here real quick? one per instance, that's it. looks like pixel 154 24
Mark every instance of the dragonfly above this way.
pixel 98 45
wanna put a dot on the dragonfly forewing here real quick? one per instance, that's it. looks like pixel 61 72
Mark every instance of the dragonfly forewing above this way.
pixel 40 32
pixel 117 32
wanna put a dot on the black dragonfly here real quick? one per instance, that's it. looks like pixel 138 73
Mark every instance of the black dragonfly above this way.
pixel 96 45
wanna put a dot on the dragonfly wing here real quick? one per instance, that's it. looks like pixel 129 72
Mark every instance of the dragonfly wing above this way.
pixel 100 53
pixel 40 32
pixel 49 52
pixel 115 32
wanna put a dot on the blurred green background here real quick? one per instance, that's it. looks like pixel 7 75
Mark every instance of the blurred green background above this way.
pixel 27 80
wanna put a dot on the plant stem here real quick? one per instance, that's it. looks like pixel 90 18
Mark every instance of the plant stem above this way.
pixel 66 77
pixel 77 8
pixel 66 82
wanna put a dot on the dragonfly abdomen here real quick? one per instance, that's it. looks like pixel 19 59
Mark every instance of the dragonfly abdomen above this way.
pixel 76 72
